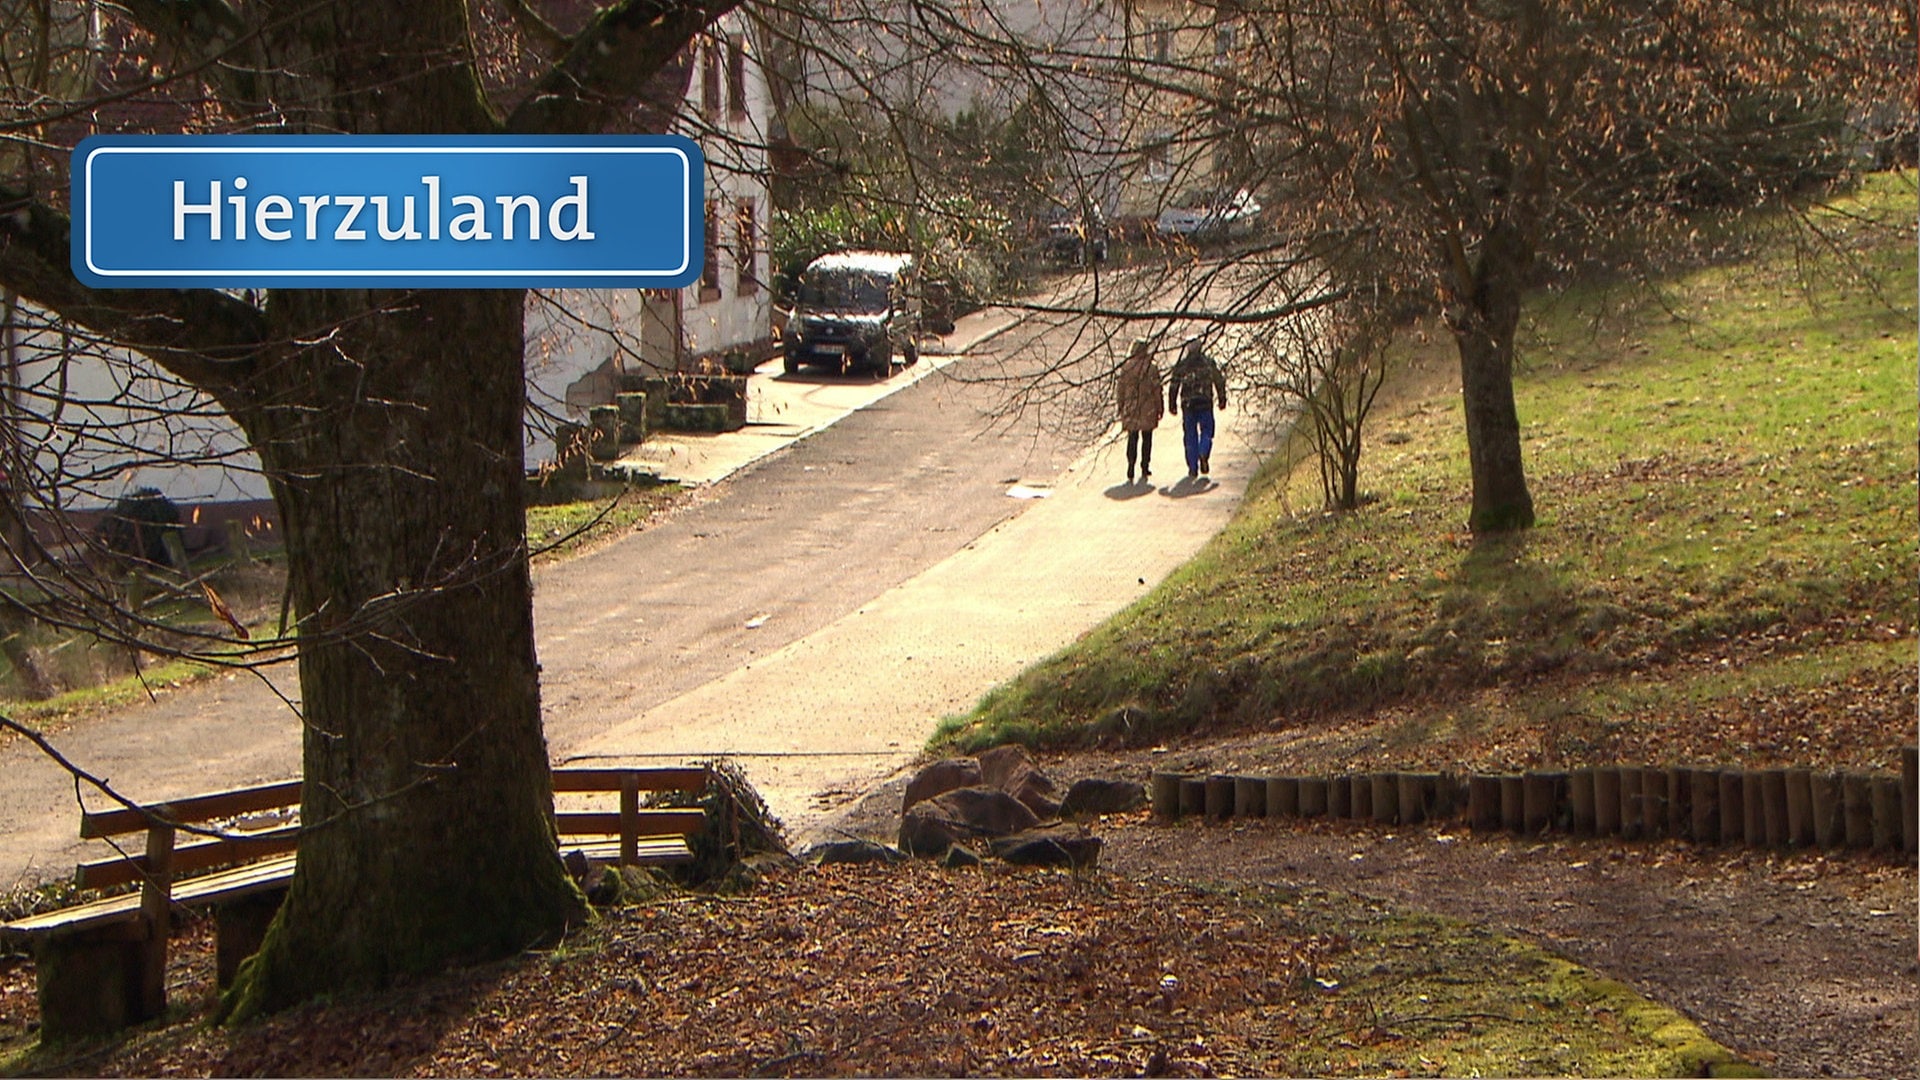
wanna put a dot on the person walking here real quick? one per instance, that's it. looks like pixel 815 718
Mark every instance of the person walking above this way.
pixel 1192 390
pixel 1138 397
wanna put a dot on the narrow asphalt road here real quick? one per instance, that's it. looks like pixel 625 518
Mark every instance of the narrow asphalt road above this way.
pixel 638 640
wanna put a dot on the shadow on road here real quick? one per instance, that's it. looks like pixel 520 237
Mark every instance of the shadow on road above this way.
pixel 1188 486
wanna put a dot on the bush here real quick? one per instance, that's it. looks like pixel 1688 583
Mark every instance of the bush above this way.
pixel 138 524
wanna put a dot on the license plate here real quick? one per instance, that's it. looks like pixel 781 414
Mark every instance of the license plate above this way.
pixel 832 350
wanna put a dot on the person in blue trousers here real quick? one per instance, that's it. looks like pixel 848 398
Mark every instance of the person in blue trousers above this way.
pixel 1194 387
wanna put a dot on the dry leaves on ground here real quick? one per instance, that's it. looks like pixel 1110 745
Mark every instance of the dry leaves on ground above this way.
pixel 913 970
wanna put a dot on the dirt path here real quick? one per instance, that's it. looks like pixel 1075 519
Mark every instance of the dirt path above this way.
pixel 1803 964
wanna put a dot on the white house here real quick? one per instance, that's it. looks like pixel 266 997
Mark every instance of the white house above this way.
pixel 580 341
pixel 107 422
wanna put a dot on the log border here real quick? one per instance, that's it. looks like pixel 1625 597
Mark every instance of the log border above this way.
pixel 1706 805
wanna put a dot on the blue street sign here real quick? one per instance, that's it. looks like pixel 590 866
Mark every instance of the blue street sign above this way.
pixel 387 211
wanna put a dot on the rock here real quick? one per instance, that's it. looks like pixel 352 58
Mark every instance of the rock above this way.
pixel 602 886
pixel 1000 763
pixel 1009 768
pixel 929 828
pixel 960 858
pixel 852 851
pixel 940 778
pixel 1094 795
pixel 1054 845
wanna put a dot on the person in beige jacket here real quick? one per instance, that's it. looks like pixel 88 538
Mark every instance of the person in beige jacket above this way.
pixel 1138 396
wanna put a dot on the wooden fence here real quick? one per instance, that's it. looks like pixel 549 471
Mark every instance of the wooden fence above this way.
pixel 1777 808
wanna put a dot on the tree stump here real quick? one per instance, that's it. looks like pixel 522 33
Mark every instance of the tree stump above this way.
pixel 1773 799
pixel 1680 802
pixel 1910 799
pixel 1580 797
pixel 1313 796
pixel 1217 795
pixel 1753 800
pixel 1283 796
pixel 1799 807
pixel 1483 802
pixel 1164 789
pixel 1733 807
pixel 1653 802
pixel 1829 825
pixel 237 546
pixel 1632 802
pixel 1704 789
pixel 1250 796
pixel 1606 801
pixel 1513 804
pixel 1540 801
pixel 1193 795
pixel 1856 801
pixel 90 984
pixel 1885 797
pixel 242 926
pixel 1340 797
pixel 1386 798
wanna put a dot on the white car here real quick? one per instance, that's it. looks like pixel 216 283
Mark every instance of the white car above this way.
pixel 1210 215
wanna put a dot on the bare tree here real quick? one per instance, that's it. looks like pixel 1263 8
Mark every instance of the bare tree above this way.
pixel 1472 149
pixel 388 425
pixel 1327 367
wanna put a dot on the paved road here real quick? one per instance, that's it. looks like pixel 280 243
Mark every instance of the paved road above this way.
pixel 814 614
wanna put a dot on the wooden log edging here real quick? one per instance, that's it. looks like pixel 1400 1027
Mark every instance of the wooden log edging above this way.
pixel 1705 805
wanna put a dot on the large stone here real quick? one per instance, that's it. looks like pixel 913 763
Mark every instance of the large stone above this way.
pixel 940 778
pixel 977 813
pixel 852 851
pixel 1093 795
pixel 1053 845
pixel 1009 768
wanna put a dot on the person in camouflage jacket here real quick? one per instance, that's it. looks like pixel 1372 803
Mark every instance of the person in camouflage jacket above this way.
pixel 1193 389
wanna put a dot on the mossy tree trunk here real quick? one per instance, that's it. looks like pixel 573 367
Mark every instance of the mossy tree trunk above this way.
pixel 389 424
pixel 427 794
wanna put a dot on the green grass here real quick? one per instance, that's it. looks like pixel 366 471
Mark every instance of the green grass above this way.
pixel 563 530
pixel 1726 460
pixel 1425 996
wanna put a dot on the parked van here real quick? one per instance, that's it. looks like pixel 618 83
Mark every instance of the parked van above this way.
pixel 855 311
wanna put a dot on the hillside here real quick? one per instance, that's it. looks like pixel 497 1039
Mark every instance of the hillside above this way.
pixel 1724 462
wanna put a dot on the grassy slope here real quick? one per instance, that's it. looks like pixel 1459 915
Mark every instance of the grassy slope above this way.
pixel 1725 470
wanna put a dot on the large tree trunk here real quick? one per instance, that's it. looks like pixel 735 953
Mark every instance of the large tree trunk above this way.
pixel 389 424
pixel 427 799
pixel 1483 318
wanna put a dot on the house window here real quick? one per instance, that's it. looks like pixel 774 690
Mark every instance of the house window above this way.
pixel 710 273
pixel 737 77
pixel 710 79
pixel 1159 42
pixel 746 250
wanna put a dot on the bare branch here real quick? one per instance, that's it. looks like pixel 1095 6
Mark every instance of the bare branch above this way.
pixel 611 64
pixel 203 336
